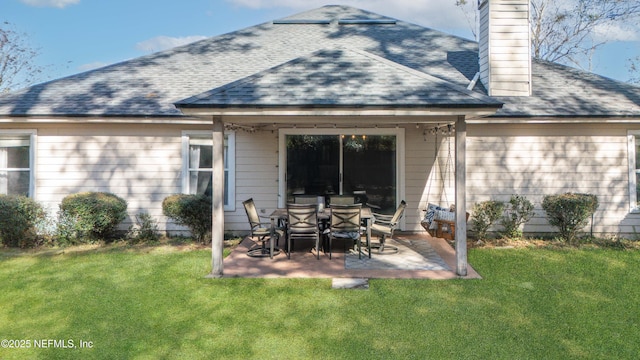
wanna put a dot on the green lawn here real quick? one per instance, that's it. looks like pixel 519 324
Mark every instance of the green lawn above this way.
pixel 154 303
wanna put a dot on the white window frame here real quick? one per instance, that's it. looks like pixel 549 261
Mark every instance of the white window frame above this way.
pixel 33 143
pixel 229 164
pixel 282 153
pixel 633 170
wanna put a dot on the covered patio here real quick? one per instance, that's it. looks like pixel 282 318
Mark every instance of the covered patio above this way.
pixel 421 256
pixel 338 89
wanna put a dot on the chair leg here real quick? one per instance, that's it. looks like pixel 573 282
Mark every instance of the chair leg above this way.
pixel 261 250
pixel 382 248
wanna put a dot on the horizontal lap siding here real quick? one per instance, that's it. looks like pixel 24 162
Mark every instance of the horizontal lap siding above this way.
pixel 539 160
pixel 141 164
pixel 256 176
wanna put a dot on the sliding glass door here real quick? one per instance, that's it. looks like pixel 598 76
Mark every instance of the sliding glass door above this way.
pixel 364 165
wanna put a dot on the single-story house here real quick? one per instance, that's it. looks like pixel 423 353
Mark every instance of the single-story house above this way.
pixel 335 100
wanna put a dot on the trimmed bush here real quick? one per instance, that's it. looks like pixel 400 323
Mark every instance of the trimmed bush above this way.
pixel 518 211
pixel 570 212
pixel 19 218
pixel 193 211
pixel 485 214
pixel 90 216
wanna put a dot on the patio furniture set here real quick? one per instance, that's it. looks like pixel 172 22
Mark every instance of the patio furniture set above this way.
pixel 308 219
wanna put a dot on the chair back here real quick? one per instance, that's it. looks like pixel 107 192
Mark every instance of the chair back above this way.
pixel 345 218
pixel 342 200
pixel 305 199
pixel 310 199
pixel 398 214
pixel 252 213
pixel 303 219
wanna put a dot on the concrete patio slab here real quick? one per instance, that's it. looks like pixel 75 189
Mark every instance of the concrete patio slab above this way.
pixel 348 283
pixel 303 262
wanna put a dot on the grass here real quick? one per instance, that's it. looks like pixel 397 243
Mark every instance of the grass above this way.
pixel 153 302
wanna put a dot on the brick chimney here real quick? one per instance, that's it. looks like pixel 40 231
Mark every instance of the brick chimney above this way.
pixel 505 47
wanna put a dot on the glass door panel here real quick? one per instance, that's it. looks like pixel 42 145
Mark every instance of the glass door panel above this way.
pixel 313 165
pixel 369 170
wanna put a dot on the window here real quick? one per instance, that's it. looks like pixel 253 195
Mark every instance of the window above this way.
pixel 198 165
pixel 16 163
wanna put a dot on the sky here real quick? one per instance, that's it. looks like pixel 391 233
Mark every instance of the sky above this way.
pixel 73 36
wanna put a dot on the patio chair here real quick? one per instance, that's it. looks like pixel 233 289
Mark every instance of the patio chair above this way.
pixel 342 200
pixel 310 199
pixel 262 231
pixel 302 225
pixel 384 226
pixel 345 224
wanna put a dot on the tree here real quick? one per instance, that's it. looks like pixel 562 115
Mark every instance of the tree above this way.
pixel 17 67
pixel 634 69
pixel 568 31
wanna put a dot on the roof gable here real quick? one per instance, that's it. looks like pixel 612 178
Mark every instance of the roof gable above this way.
pixel 339 78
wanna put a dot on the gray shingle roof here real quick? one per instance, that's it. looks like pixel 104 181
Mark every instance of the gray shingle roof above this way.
pixel 340 78
pixel 150 85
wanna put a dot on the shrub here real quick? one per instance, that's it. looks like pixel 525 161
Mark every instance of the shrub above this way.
pixel 193 211
pixel 90 216
pixel 145 229
pixel 19 218
pixel 569 212
pixel 518 211
pixel 484 215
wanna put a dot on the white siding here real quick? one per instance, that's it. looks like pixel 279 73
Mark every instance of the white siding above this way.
pixel 142 164
pixel 539 160
pixel 505 47
pixel 256 176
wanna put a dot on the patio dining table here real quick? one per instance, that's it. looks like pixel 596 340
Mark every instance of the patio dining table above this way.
pixel 280 215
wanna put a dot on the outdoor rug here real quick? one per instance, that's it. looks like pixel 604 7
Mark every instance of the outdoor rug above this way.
pixel 412 255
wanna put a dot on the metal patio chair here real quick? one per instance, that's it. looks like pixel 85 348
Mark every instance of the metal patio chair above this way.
pixel 342 200
pixel 302 224
pixel 345 224
pixel 384 226
pixel 262 231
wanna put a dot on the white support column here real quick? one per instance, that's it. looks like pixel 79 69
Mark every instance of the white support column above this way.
pixel 217 218
pixel 461 203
